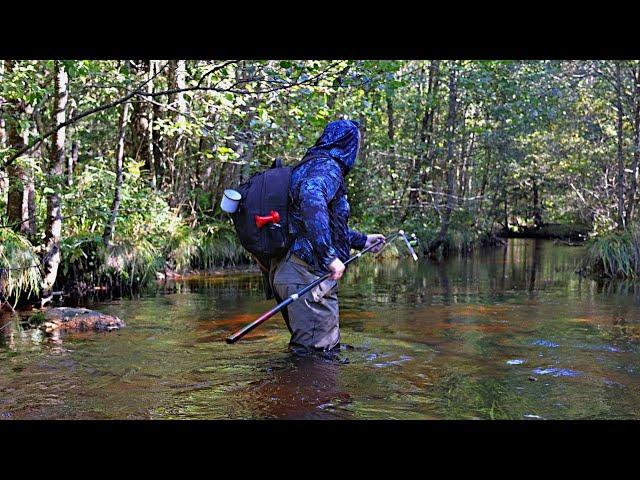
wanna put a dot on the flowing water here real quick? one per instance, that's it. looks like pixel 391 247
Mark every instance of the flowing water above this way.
pixel 506 333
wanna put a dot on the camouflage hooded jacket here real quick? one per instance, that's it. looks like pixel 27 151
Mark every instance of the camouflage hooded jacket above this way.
pixel 320 209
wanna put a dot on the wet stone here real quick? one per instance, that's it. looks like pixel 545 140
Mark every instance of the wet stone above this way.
pixel 65 318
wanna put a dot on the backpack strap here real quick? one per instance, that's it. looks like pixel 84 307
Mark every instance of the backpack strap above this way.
pixel 308 158
pixel 277 163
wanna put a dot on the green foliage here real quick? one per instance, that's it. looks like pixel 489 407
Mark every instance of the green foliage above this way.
pixel 149 235
pixel 133 263
pixel 217 245
pixel 521 126
pixel 37 318
pixel 81 253
pixel 181 248
pixel 207 247
pixel 615 254
pixel 20 271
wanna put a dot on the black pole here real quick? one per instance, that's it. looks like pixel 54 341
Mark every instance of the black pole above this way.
pixel 292 298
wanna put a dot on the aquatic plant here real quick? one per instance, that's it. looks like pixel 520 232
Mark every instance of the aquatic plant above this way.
pixel 457 395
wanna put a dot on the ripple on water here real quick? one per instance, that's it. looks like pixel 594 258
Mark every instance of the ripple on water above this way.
pixel 402 359
pixel 557 372
pixel 515 361
pixel 460 322
pixel 605 348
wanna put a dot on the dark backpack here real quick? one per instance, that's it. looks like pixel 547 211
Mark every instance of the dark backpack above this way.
pixel 262 218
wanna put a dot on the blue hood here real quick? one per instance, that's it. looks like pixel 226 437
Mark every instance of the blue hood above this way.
pixel 340 142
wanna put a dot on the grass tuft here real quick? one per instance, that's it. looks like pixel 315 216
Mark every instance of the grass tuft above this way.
pixel 615 254
pixel 20 267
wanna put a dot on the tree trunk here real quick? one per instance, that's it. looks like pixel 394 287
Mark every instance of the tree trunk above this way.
pixel 537 214
pixel 499 185
pixel 17 175
pixel 176 79
pixel 53 228
pixel 73 160
pixel 390 120
pixel 619 132
pixel 505 212
pixel 448 164
pixel 465 156
pixel 142 123
pixel 17 182
pixel 109 228
pixel 157 141
pixel 29 198
pixel 636 144
pixel 4 181
pixel 479 209
pixel 427 149
pixel 3 133
pixel 4 184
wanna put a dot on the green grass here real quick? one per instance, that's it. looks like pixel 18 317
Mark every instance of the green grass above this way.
pixel 218 246
pixel 18 276
pixel 615 254
pixel 206 248
pixel 133 262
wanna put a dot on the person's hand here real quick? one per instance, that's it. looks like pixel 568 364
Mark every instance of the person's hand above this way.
pixel 373 238
pixel 336 268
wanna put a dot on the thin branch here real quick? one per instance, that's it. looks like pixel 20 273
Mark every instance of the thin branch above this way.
pixel 139 92
pixel 215 69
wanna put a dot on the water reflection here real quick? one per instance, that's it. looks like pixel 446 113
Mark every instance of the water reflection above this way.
pixel 504 333
pixel 306 387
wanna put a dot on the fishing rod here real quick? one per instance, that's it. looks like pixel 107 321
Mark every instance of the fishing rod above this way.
pixel 292 298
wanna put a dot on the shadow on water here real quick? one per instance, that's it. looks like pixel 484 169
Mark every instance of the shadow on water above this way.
pixel 504 333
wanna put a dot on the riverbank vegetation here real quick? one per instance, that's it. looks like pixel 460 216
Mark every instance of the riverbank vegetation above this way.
pixel 615 254
pixel 111 171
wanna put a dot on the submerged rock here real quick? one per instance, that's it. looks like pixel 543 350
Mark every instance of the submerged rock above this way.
pixel 65 318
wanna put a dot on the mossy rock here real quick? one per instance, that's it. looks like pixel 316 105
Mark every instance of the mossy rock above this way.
pixel 65 318
pixel 37 319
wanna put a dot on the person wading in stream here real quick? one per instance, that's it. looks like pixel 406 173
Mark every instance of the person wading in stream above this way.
pixel 321 238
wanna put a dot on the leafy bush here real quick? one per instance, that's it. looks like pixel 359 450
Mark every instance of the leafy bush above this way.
pixel 149 235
